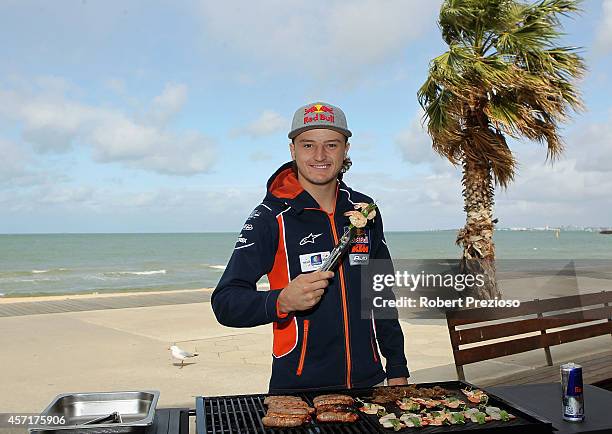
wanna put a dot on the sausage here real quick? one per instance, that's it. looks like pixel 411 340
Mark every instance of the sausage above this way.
pixel 338 408
pixel 282 422
pixel 334 401
pixel 332 416
pixel 335 397
pixel 277 398
pixel 293 404
pixel 278 407
pixel 287 411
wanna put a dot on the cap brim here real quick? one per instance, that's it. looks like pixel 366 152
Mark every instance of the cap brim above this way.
pixel 299 131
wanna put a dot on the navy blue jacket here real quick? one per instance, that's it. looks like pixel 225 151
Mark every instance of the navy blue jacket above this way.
pixel 334 344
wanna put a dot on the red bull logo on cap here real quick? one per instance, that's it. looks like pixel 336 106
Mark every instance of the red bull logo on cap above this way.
pixel 319 110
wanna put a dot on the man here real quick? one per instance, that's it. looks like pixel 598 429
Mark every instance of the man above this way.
pixel 321 340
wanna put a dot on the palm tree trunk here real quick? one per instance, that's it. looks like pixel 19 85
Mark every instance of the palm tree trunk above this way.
pixel 476 237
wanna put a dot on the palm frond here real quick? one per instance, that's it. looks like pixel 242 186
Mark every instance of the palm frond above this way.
pixel 503 75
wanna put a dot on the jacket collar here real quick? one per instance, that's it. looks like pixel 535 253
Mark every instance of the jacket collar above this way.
pixel 283 186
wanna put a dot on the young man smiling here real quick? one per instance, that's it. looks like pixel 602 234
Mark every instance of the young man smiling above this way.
pixel 321 339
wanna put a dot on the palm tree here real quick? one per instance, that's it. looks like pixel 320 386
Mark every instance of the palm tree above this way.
pixel 502 76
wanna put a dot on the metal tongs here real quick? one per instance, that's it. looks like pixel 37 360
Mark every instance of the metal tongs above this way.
pixel 114 417
pixel 338 251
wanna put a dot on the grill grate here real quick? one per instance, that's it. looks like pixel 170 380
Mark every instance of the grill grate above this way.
pixel 241 414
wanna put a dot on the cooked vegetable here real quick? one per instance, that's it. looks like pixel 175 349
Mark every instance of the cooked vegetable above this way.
pixel 480 417
pixel 370 408
pixel 408 404
pixel 457 418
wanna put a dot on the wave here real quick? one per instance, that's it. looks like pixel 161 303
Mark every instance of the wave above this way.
pixel 23 273
pixel 136 273
pixel 35 280
pixel 217 267
pixel 51 270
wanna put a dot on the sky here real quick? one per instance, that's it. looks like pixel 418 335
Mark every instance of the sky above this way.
pixel 165 116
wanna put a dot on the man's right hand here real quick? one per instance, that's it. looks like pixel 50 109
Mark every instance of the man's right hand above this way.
pixel 304 291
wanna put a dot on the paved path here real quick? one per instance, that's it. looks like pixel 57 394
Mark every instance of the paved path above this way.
pixel 99 303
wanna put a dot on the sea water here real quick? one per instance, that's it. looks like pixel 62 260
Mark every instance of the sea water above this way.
pixel 85 263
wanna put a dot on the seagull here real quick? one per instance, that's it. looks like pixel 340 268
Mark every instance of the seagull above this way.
pixel 181 355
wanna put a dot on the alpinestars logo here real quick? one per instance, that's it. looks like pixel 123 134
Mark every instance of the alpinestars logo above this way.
pixel 309 239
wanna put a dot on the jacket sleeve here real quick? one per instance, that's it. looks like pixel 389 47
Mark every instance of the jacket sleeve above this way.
pixel 388 331
pixel 236 301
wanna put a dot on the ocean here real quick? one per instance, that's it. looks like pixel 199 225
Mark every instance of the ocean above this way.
pixel 85 263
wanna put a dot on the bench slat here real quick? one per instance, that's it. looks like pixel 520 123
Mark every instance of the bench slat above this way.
pixel 500 349
pixel 471 316
pixel 507 329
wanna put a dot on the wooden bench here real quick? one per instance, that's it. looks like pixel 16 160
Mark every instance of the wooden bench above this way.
pixel 500 337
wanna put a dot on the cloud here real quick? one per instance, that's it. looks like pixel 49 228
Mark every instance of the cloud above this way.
pixel 414 202
pixel 414 143
pixel 14 162
pixel 595 152
pixel 573 190
pixel 318 39
pixel 260 156
pixel 86 208
pixel 365 143
pixel 117 85
pixel 603 41
pixel 556 195
pixel 269 122
pixel 55 123
pixel 168 104
pixel 148 148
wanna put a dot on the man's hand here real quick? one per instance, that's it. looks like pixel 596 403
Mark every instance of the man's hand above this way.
pixel 304 291
pixel 400 381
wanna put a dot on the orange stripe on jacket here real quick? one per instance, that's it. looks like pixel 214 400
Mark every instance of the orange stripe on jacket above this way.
pixel 285 333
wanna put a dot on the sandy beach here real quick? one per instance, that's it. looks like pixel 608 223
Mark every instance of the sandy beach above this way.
pixel 127 349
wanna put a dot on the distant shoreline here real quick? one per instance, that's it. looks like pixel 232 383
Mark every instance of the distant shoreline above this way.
pixel 501 229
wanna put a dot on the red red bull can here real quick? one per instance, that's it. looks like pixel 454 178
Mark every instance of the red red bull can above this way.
pixel 572 392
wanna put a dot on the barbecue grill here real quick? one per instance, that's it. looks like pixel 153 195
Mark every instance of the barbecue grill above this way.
pixel 241 414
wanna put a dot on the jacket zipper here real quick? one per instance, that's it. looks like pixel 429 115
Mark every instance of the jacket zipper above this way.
pixel 344 308
pixel 304 344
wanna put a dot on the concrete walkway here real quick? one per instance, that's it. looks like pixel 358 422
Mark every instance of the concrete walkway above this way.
pixel 85 302
pixel 126 349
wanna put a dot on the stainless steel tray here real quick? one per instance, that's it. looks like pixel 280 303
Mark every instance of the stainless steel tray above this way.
pixel 137 409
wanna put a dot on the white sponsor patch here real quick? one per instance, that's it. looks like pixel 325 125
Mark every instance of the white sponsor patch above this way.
pixel 359 259
pixel 247 227
pixel 312 261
